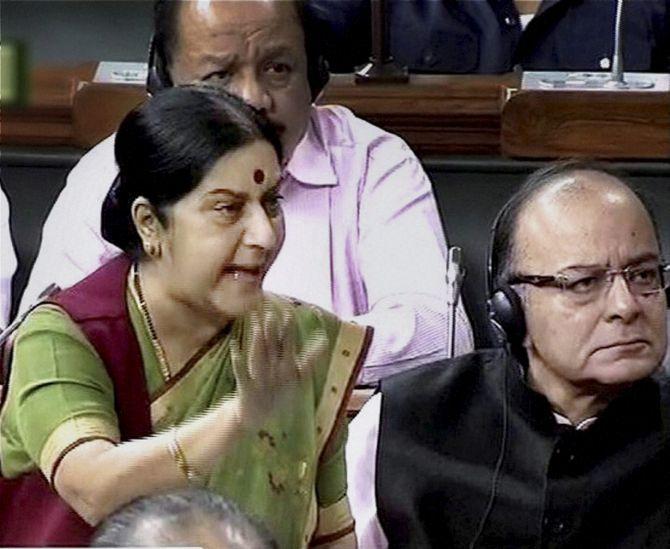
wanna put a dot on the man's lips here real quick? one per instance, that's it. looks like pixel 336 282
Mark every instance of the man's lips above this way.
pixel 622 344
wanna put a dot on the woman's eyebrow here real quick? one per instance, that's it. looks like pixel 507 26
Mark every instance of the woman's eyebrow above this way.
pixel 241 196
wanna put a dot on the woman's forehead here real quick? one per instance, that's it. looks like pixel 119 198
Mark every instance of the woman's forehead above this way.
pixel 251 169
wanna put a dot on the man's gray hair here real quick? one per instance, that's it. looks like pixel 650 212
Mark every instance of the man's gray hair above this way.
pixel 180 518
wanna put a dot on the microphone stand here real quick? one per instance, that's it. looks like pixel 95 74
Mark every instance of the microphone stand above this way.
pixel 617 80
pixel 617 56
pixel 455 274
pixel 9 330
pixel 381 68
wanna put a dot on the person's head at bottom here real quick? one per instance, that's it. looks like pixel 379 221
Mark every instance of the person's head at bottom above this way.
pixel 196 202
pixel 581 250
pixel 185 518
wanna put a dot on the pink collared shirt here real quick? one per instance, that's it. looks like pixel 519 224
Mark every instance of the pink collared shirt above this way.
pixel 363 238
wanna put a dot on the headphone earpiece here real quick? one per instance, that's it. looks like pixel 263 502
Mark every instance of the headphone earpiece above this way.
pixel 158 77
pixel 505 311
pixel 318 74
pixel 506 317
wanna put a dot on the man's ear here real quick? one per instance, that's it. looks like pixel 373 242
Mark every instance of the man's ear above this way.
pixel 146 221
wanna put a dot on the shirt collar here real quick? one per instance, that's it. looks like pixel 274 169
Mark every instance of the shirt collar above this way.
pixel 311 163
pixel 581 426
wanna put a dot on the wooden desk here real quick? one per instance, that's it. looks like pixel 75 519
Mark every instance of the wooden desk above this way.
pixel 435 114
pixel 438 115
pixel 600 124
pixel 47 119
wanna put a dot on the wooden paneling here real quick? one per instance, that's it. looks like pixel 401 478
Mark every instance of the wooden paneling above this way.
pixel 601 124
pixel 438 115
pixel 435 114
pixel 99 108
pixel 47 118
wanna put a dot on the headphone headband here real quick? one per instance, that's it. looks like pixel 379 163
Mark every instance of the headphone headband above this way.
pixel 158 77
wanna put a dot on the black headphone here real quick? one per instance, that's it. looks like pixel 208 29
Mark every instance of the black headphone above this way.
pixel 505 312
pixel 318 74
pixel 158 77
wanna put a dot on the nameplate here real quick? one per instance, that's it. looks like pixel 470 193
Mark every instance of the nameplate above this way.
pixel 116 72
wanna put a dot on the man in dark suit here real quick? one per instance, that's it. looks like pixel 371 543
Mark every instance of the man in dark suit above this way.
pixel 562 440
pixel 493 36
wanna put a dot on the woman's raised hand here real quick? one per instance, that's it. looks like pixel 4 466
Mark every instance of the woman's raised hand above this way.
pixel 268 361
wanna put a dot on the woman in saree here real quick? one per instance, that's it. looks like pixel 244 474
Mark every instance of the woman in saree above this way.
pixel 169 365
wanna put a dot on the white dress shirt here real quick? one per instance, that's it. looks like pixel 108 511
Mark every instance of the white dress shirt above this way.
pixel 7 262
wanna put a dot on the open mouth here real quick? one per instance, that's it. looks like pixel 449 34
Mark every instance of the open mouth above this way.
pixel 244 273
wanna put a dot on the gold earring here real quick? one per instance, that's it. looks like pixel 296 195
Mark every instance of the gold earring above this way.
pixel 152 250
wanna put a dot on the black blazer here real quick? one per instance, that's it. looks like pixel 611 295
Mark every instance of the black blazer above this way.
pixel 485 36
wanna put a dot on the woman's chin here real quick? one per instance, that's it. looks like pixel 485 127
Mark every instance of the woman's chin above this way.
pixel 239 305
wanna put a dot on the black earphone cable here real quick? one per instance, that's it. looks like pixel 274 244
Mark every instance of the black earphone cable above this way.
pixel 501 454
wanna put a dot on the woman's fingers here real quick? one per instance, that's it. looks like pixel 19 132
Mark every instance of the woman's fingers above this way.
pixel 268 361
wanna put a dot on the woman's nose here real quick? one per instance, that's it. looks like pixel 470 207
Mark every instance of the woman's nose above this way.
pixel 260 231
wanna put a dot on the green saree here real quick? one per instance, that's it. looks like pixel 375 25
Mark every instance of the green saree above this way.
pixel 289 473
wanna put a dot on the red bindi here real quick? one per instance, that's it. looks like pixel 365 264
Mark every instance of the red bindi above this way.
pixel 259 176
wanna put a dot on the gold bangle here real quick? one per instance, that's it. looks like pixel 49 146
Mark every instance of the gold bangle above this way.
pixel 178 455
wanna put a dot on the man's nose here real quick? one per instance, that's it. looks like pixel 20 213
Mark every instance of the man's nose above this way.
pixel 251 88
pixel 621 302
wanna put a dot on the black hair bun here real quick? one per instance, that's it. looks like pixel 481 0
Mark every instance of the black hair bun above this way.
pixel 116 223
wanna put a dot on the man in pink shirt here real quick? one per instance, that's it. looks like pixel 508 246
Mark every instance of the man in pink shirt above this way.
pixel 363 235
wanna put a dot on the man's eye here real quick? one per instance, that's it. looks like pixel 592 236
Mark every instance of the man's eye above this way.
pixel 583 284
pixel 216 77
pixel 278 71
pixel 643 276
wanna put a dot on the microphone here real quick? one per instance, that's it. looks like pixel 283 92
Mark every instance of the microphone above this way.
pixel 50 290
pixel 455 274
pixel 616 79
pixel 6 344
